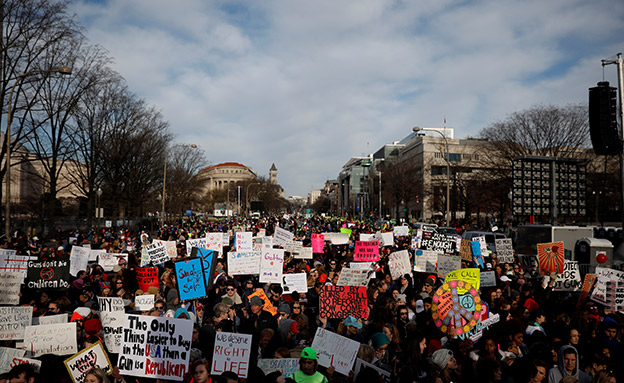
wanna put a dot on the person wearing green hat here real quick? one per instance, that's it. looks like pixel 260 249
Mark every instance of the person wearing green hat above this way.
pixel 307 368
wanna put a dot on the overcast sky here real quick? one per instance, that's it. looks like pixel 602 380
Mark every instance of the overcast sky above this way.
pixel 309 84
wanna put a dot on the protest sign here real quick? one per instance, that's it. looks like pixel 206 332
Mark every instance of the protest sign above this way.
pixel 354 277
pixel 588 283
pixel 471 276
pixel 244 263
pixel 190 275
pixel 93 356
pixel 286 366
pixel 208 263
pixel 465 252
pixel 214 242
pixel 243 241
pixel 366 251
pixel 94 254
pixel 399 264
pixel 551 257
pixel 46 275
pixel 618 302
pixel 335 350
pixel 112 318
pixel 78 259
pixel 144 302
pixel 477 254
pixel 295 282
pixel 504 250
pixel 344 230
pixel 155 347
pixel 343 301
pixel 10 283
pixel 454 311
pixel 401 231
pixel 6 357
pixel 361 364
pixel 10 261
pixel 426 261
pixel 280 236
pixel 271 265
pixel 438 242
pixel 145 259
pixel 147 277
pixel 51 319
pixel 199 243
pixel 530 265
pixel 13 321
pixel 231 353
pixel 267 303
pixel 367 236
pixel 170 247
pixel 603 275
pixel 304 253
pixel 447 263
pixel 293 247
pixel 337 238
pixel 570 279
pixel 57 339
pixel 108 260
pixel 488 278
pixel 387 239
pixel 157 253
pixel 318 242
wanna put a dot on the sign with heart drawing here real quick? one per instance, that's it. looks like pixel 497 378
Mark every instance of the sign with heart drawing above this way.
pixel 79 364
pixel 57 339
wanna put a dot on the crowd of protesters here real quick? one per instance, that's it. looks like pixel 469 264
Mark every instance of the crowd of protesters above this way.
pixel 542 336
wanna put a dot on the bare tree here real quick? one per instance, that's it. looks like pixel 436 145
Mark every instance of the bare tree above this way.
pixel 183 184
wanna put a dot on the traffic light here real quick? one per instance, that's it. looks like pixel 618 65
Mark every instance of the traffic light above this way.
pixel 603 126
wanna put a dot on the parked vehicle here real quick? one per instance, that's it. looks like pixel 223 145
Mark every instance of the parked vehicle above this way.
pixel 490 237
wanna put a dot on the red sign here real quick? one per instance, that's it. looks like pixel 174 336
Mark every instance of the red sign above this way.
pixel 343 301
pixel 147 277
pixel 366 251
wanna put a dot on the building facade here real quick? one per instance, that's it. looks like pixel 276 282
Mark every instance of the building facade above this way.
pixel 220 176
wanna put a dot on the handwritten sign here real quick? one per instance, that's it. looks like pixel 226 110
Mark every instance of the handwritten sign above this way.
pixel 231 353
pixel 426 261
pixel 318 243
pixel 354 277
pixel 157 253
pixel 471 276
pixel 366 251
pixel 304 253
pixel 271 265
pixel 335 350
pixel 530 265
pixel 399 264
pixel 190 275
pixel 465 252
pixel 447 263
pixel 46 275
pixel 267 303
pixel 10 283
pixel 243 241
pixel 293 247
pixel 281 236
pixel 57 339
pixel 337 238
pixel 112 318
pixel 108 261
pixel 604 275
pixel 295 282
pixel 144 302
pixel 343 301
pixel 13 321
pixel 78 259
pixel 244 263
pixel 10 261
pixel 504 250
pixel 488 278
pixel 287 366
pixel 147 277
pixel 551 257
pixel 438 242
pixel 170 247
pixel 50 319
pixel 6 357
pixel 570 279
pixel 588 283
pixel 214 242
pixel 401 231
pixel 94 356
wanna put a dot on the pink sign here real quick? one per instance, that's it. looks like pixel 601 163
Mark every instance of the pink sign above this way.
pixel 318 242
pixel 366 251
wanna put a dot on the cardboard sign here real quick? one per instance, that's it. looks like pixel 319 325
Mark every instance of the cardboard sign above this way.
pixel 530 265
pixel 343 301
pixel 438 242
pixel 244 263
pixel 399 264
pixel 147 277
pixel 78 259
pixel 293 247
pixel 426 261
pixel 465 252
pixel 268 306
pixel 448 263
pixel 366 251
pixel 155 347
pixel 243 241
pixel 57 339
pixel 295 282
pixel 570 279
pixel 401 231
pixel 199 243
pixel 157 253
pixel 48 275
pixel 214 242
pixel 286 366
pixel 551 257
pixel 335 350
pixel 10 284
pixel 208 263
pixel 504 250
pixel 112 318
pixel 190 276
pixel 6 358
pixel 231 353
pixel 361 364
pixel 488 278
pixel 13 321
pixel 354 277
pixel 471 276
pixel 271 265
pixel 144 302
pixel 281 236
pixel 94 356
pixel 318 243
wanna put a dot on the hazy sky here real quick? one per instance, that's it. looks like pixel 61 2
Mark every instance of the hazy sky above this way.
pixel 309 84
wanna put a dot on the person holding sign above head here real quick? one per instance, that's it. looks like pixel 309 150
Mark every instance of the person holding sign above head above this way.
pixel 308 365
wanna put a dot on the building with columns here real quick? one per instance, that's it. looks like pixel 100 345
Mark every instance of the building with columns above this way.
pixel 220 175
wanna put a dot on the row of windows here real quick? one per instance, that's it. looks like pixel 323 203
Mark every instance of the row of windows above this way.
pixel 457 157
pixel 231 171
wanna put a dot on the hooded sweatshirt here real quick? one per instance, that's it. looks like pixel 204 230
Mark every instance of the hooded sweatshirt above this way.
pixel 559 372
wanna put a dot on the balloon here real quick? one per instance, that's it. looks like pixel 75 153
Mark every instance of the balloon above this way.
pixel 601 258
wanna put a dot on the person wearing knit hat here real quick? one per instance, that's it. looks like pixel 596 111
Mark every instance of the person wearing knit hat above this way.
pixel 446 364
pixel 308 365
pixel 380 343
pixel 93 326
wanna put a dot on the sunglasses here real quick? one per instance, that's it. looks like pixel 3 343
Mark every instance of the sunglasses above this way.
pixel 160 307
pixel 296 307
pixel 283 314
pixel 230 289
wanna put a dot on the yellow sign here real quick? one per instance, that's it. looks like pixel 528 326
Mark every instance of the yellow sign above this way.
pixel 471 276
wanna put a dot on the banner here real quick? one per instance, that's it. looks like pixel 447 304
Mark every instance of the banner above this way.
pixel 366 251
pixel 287 366
pixel 144 302
pixel 112 318
pixel 448 263
pixel 94 356
pixel 157 253
pixel 10 284
pixel 147 277
pixel 343 301
pixel 190 276
pixel 426 261
pixel 46 275
pixel 244 263
pixel 399 264
pixel 78 259
pixel 268 306
pixel 441 243
pixel 295 282
pixel 271 265
pixel 155 347
pixel 13 321
pixel 281 236
pixel 504 250
pixel 231 353
pixel 318 242
pixel 335 350
pixel 353 277
pixel 243 241
pixel 570 279
pixel 57 339
pixel 551 257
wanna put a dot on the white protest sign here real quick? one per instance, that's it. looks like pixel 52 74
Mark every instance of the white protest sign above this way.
pixel 293 246
pixel 281 236
pixel 231 353
pixel 401 231
pixel 304 253
pixel 367 236
pixel 354 277
pixel 448 263
pixel 603 275
pixel 51 319
pixel 530 265
pixel 57 339
pixel 482 244
pixel 10 261
pixel 295 282
pixel 112 318
pixel 271 265
pixel 108 260
pixel 399 264
pixel 214 242
pixel 388 239
pixel 287 366
pixel 6 357
pixel 201 243
pixel 244 263
pixel 155 347
pixel 10 283
pixel 78 259
pixel 504 250
pixel 570 279
pixel 145 259
pixel 13 321
pixel 243 242
pixel 335 350
pixel 144 302
pixel 170 247
pixel 337 238
pixel 426 261
pixel 94 254
pixel 94 356
pixel 488 279
pixel 361 364
pixel 157 253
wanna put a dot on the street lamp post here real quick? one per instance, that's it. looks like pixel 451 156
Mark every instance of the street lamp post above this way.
pixel 99 212
pixel 164 192
pixel 448 169
pixel 63 70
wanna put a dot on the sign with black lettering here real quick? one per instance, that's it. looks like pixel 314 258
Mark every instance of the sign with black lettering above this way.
pixel 441 243
pixel 343 301
pixel 570 279
pixel 48 275
pixel 94 356
pixel 231 353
